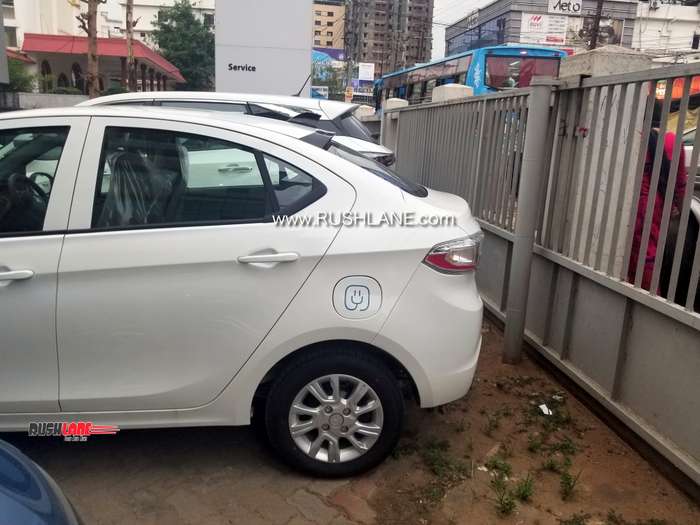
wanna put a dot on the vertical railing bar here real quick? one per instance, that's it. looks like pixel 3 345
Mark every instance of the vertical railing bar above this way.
pixel 694 277
pixel 503 161
pixel 551 139
pixel 495 135
pixel 497 152
pixel 495 163
pixel 623 178
pixel 639 175
pixel 573 169
pixel 566 165
pixel 685 213
pixel 484 155
pixel 653 186
pixel 670 189
pixel 512 138
pixel 464 131
pixel 549 198
pixel 602 149
pixel 521 148
pixel 476 149
pixel 610 183
pixel 585 175
pixel 453 146
pixel 517 162
pixel 470 159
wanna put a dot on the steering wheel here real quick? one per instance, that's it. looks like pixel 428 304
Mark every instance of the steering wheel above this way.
pixel 20 188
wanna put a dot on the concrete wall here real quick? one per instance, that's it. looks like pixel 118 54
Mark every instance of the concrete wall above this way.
pixel 42 100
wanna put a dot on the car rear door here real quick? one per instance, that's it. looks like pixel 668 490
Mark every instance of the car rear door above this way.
pixel 44 152
pixel 173 272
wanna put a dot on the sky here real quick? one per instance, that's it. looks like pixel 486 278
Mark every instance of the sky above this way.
pixel 446 12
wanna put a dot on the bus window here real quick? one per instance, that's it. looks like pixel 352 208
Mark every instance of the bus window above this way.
pixel 462 79
pixel 429 89
pixel 509 72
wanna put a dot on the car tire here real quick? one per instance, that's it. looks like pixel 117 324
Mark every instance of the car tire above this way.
pixel 345 424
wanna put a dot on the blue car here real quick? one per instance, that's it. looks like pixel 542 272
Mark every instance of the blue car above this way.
pixel 28 495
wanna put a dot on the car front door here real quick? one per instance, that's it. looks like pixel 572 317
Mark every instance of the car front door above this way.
pixel 172 272
pixel 38 164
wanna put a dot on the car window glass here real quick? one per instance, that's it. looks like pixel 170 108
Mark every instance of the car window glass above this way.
pixel 29 159
pixel 689 138
pixel 209 106
pixel 149 177
pixel 378 169
pixel 353 127
pixel 293 188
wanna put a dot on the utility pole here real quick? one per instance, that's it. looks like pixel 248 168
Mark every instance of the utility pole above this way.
pixel 130 66
pixel 596 25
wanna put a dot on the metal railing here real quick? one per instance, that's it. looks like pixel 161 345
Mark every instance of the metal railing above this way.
pixel 591 251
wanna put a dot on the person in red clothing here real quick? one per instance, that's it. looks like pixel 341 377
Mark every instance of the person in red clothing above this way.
pixel 644 195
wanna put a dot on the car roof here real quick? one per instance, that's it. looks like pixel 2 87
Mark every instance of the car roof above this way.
pixel 232 121
pixel 331 108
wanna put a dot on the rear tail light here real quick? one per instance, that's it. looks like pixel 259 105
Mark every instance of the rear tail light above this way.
pixel 456 256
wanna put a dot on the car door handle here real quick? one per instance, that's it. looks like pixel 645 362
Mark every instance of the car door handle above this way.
pixel 235 168
pixel 16 275
pixel 269 258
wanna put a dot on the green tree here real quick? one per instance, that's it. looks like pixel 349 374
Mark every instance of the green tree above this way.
pixel 21 81
pixel 328 75
pixel 185 41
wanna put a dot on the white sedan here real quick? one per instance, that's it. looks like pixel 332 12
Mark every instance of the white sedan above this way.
pixel 171 269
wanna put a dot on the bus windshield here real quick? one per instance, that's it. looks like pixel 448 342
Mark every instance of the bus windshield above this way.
pixel 517 72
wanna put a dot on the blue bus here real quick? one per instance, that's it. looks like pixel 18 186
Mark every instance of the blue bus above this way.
pixel 485 70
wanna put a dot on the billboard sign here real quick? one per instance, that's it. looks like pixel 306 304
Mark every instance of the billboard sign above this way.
pixel 574 31
pixel 543 29
pixel 365 71
pixel 264 46
pixel 565 7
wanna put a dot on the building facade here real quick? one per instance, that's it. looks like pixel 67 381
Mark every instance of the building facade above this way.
pixel 392 34
pixel 46 36
pixel 665 28
pixel 329 24
pixel 542 22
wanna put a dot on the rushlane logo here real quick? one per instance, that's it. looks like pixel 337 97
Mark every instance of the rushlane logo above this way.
pixel 71 430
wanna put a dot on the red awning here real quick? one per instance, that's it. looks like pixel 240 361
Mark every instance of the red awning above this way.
pixel 111 47
pixel 16 55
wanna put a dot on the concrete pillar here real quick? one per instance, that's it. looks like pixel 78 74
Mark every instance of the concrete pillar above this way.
pixel 532 179
pixel 158 77
pixel 151 81
pixel 165 82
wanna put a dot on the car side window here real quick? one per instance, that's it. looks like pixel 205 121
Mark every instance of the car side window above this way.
pixel 29 159
pixel 293 188
pixel 151 177
pixel 209 106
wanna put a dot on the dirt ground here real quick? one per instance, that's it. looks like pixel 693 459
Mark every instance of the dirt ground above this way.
pixel 491 458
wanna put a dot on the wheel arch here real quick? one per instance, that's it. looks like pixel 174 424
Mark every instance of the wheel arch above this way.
pixel 402 374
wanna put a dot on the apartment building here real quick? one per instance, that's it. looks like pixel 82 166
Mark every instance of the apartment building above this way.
pixel 392 34
pixel 329 24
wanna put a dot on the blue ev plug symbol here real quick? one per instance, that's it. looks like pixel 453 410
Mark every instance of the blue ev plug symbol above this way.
pixel 357 297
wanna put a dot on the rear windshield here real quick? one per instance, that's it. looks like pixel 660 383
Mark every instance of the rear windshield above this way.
pixel 378 169
pixel 353 127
